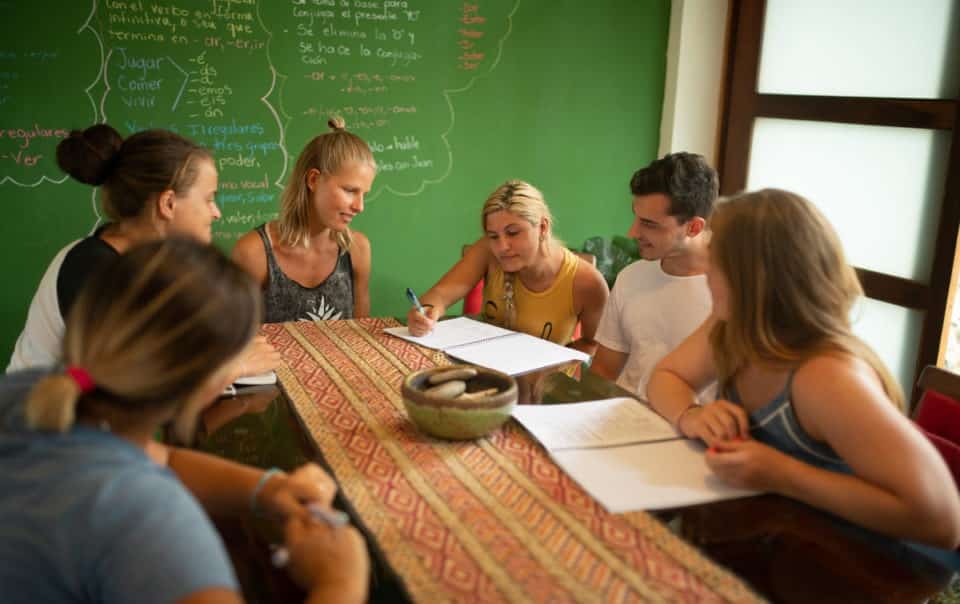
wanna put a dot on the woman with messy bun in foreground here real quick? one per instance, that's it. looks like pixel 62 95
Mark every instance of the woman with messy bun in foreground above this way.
pixel 153 184
pixel 309 263
pixel 87 515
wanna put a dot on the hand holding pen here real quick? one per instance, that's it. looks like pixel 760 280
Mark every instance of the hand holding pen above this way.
pixel 326 556
pixel 420 319
pixel 280 555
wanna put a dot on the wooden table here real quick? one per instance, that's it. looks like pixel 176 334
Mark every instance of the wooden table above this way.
pixel 496 519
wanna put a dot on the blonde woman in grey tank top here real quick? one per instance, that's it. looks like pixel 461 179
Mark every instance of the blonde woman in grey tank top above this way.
pixel 288 300
pixel 309 263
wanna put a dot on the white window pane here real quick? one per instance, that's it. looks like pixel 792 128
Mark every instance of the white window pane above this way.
pixel 876 48
pixel 880 187
pixel 894 334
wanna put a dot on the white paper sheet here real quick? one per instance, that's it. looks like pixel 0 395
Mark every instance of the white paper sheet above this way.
pixel 648 476
pixel 487 345
pixel 452 332
pixel 269 377
pixel 602 423
pixel 516 354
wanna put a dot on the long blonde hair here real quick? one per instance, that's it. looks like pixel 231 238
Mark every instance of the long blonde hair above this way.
pixel 149 329
pixel 526 201
pixel 326 153
pixel 790 286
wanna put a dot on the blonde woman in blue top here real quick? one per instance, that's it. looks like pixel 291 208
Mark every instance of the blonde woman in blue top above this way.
pixel 88 516
pixel 806 409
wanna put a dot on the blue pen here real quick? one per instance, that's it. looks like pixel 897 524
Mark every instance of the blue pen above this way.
pixel 279 555
pixel 414 300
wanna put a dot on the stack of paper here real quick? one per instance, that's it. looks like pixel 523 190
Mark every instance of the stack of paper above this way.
pixel 487 345
pixel 625 455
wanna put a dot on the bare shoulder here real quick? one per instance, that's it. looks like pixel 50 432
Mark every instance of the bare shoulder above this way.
pixel 251 256
pixel 834 374
pixel 359 244
pixel 359 250
pixel 838 389
pixel 478 254
pixel 480 248
pixel 589 280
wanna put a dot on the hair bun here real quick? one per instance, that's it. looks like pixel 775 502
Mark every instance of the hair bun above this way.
pixel 337 124
pixel 88 155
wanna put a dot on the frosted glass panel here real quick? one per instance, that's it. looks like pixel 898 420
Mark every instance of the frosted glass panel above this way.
pixel 882 48
pixel 880 187
pixel 894 334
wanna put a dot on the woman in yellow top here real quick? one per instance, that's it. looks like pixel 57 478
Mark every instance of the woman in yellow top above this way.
pixel 533 283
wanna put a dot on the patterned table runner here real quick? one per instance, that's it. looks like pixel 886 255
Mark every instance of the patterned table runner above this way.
pixel 492 520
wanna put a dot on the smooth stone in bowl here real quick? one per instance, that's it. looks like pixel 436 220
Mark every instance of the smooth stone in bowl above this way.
pixel 462 373
pixel 463 419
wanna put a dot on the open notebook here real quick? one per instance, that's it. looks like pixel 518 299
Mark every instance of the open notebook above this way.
pixel 625 455
pixel 493 347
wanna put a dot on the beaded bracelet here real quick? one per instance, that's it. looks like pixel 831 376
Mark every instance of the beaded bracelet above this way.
pixel 690 407
pixel 264 478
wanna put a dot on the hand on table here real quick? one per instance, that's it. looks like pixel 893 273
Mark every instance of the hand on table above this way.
pixel 259 357
pixel 718 421
pixel 746 463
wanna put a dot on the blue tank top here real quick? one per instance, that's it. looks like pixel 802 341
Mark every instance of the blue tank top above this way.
pixel 286 300
pixel 776 424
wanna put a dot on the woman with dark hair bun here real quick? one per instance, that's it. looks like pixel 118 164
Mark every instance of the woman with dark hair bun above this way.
pixel 153 184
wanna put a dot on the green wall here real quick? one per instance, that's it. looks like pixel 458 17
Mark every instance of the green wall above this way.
pixel 455 97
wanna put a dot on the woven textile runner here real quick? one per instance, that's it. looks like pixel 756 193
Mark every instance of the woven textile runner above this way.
pixel 491 520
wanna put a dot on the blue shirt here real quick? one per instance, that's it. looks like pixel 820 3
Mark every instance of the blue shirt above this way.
pixel 776 424
pixel 86 516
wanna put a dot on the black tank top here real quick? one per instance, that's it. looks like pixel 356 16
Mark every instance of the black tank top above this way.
pixel 286 300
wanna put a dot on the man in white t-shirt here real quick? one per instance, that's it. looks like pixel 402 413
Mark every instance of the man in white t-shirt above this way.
pixel 661 299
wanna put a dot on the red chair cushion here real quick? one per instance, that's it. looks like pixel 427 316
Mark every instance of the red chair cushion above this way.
pixel 473 300
pixel 950 452
pixel 940 415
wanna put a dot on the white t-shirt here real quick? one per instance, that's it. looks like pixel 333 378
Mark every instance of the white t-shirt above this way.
pixel 41 339
pixel 648 314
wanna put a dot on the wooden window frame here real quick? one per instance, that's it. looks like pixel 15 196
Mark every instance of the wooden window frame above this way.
pixel 742 104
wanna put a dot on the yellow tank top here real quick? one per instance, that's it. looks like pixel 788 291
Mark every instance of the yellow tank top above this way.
pixel 548 314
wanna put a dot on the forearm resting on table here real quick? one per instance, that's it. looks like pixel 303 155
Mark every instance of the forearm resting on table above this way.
pixel 863 503
pixel 222 487
pixel 669 395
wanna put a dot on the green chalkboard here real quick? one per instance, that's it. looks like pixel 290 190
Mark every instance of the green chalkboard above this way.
pixel 453 97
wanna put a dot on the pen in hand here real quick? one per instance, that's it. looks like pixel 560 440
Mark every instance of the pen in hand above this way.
pixel 414 300
pixel 280 556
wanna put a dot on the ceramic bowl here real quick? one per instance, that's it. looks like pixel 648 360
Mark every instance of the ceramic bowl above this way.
pixel 454 419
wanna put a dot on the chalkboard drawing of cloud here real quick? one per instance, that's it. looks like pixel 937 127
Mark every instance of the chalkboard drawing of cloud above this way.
pixel 391 68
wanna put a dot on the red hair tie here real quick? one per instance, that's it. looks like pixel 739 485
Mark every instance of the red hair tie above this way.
pixel 81 378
